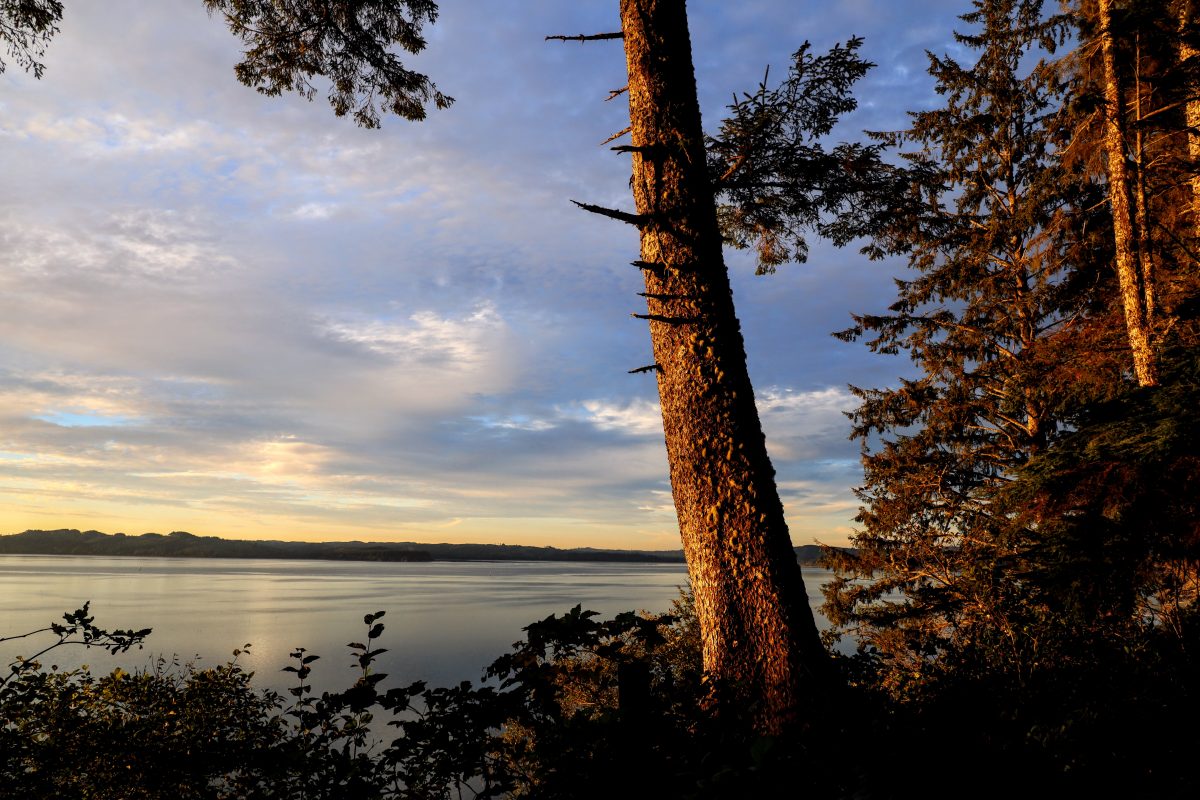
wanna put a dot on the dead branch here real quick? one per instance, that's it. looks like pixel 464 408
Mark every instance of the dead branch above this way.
pixel 640 220
pixel 586 37
pixel 616 136
pixel 664 320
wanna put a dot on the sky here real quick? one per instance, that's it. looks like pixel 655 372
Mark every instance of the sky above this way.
pixel 241 316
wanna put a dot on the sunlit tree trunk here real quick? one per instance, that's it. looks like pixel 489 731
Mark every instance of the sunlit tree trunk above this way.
pixel 1141 217
pixel 759 638
pixel 1191 109
pixel 1120 189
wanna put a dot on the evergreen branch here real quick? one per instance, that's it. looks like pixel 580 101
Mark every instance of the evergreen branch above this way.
pixel 960 327
pixel 655 367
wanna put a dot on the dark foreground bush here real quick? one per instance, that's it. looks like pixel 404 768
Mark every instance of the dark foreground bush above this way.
pixel 581 708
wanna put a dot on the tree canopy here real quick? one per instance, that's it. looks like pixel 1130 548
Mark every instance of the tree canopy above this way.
pixel 26 27
pixel 349 44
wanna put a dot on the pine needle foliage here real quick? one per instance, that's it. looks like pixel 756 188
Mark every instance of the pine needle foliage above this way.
pixel 26 27
pixel 775 176
pixel 348 42
pixel 986 225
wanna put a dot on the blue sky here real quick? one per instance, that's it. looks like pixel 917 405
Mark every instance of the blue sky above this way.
pixel 241 316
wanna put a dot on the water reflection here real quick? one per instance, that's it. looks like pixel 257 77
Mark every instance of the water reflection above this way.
pixel 445 620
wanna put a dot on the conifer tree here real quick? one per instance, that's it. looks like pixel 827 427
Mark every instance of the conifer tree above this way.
pixel 987 228
pixel 1116 562
pixel 765 180
pixel 351 44
pixel 1132 256
pixel 1136 101
pixel 1189 54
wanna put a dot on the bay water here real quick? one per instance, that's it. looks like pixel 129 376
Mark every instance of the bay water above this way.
pixel 445 620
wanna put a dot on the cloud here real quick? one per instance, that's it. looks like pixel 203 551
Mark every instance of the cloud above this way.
pixel 315 211
pixel 238 314
pixel 806 425
pixel 639 418
pixel 428 338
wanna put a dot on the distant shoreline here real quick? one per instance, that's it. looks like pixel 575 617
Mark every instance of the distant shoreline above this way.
pixel 180 544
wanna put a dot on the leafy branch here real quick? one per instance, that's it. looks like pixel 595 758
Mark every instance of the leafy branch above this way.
pixel 80 629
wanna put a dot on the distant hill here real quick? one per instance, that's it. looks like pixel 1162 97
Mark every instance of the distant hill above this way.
pixel 180 544
pixel 808 554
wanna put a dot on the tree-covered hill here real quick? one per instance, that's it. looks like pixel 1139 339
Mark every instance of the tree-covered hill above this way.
pixel 180 544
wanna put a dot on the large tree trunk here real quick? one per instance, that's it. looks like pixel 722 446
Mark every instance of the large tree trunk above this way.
pixel 759 638
pixel 1120 190
pixel 1191 109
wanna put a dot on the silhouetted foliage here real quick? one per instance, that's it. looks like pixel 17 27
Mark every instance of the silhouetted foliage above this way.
pixel 986 228
pixel 773 175
pixel 348 42
pixel 580 708
pixel 588 708
pixel 78 629
pixel 1024 590
pixel 26 27
pixel 349 45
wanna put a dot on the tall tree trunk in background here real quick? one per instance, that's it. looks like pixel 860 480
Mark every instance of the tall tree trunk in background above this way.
pixel 1187 52
pixel 1141 214
pixel 1120 188
pixel 758 634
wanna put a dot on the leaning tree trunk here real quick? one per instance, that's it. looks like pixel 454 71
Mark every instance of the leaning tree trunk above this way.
pixel 1133 292
pixel 758 634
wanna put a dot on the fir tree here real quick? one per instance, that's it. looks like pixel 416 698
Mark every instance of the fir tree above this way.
pixel 1136 101
pixel 987 226
pixel 774 176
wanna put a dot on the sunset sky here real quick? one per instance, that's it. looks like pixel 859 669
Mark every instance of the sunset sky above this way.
pixel 241 316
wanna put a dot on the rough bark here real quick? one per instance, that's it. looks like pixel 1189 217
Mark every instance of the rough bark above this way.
pixel 759 639
pixel 1141 218
pixel 1191 110
pixel 1120 190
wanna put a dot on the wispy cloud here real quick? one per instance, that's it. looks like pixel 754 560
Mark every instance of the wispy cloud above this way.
pixel 239 315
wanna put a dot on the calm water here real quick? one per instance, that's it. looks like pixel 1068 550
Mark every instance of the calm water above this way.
pixel 445 621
